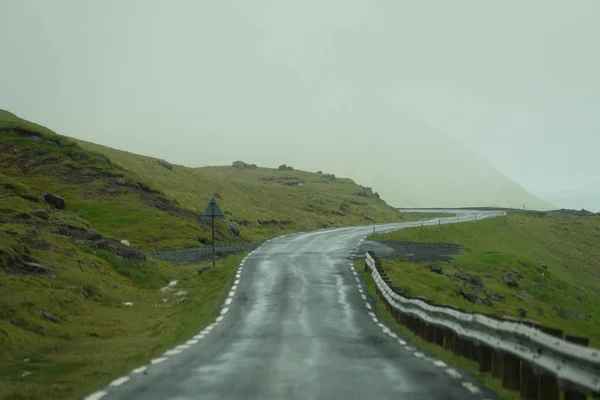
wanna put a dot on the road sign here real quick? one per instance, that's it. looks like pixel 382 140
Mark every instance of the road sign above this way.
pixel 212 211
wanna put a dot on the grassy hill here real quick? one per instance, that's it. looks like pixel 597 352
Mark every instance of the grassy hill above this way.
pixel 554 258
pixel 261 201
pixel 78 307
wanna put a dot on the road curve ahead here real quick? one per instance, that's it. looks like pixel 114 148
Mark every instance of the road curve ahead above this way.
pixel 299 325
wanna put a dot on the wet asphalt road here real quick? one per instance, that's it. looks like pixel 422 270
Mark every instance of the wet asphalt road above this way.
pixel 297 327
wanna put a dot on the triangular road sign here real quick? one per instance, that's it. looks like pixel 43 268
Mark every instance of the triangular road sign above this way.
pixel 212 211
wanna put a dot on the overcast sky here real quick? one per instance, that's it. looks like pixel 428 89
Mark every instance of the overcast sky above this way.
pixel 517 81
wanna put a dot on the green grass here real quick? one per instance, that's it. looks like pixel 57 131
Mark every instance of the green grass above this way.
pixel 568 244
pixel 99 338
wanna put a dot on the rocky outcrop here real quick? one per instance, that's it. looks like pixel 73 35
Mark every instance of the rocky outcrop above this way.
pixel 43 214
pixel 165 164
pixel 510 281
pixel 54 200
pixel 243 165
pixel 116 247
pixel 284 167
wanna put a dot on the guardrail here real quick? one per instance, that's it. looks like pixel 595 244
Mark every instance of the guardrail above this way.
pixel 529 358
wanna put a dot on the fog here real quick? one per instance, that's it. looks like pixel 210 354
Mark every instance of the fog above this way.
pixel 363 88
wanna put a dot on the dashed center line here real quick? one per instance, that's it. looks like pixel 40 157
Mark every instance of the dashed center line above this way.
pixel 120 381
pixel 471 388
pixel 453 373
pixel 96 396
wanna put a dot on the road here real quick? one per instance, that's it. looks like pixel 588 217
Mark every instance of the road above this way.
pixel 297 326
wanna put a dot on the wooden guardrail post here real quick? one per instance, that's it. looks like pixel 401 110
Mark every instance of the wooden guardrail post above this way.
pixel 529 382
pixel 485 358
pixel 449 339
pixel 547 384
pixel 439 336
pixel 569 393
pixel 458 345
pixel 511 371
pixel 496 364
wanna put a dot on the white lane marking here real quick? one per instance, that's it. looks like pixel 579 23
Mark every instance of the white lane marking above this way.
pixel 96 395
pixel 351 264
pixel 119 382
pixel 228 301
pixel 375 320
pixel 439 363
pixel 392 335
pixel 232 293
pixel 233 288
pixel 357 281
pixel 409 348
pixel 219 318
pixel 368 306
pixel 237 282
pixel 191 342
pixel 172 352
pixel 354 272
pixel 402 342
pixel 360 289
pixel 352 254
pixel 471 388
pixel 224 311
pixel 453 373
pixel 371 314
pixel 199 337
pixel 140 370
pixel 158 360
pixel 182 347
pixel 238 275
pixel 363 296
pixel 419 354
pixel 382 326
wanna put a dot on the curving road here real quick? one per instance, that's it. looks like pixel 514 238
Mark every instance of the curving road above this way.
pixel 297 326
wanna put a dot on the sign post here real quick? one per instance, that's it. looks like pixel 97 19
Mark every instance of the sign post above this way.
pixel 211 213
